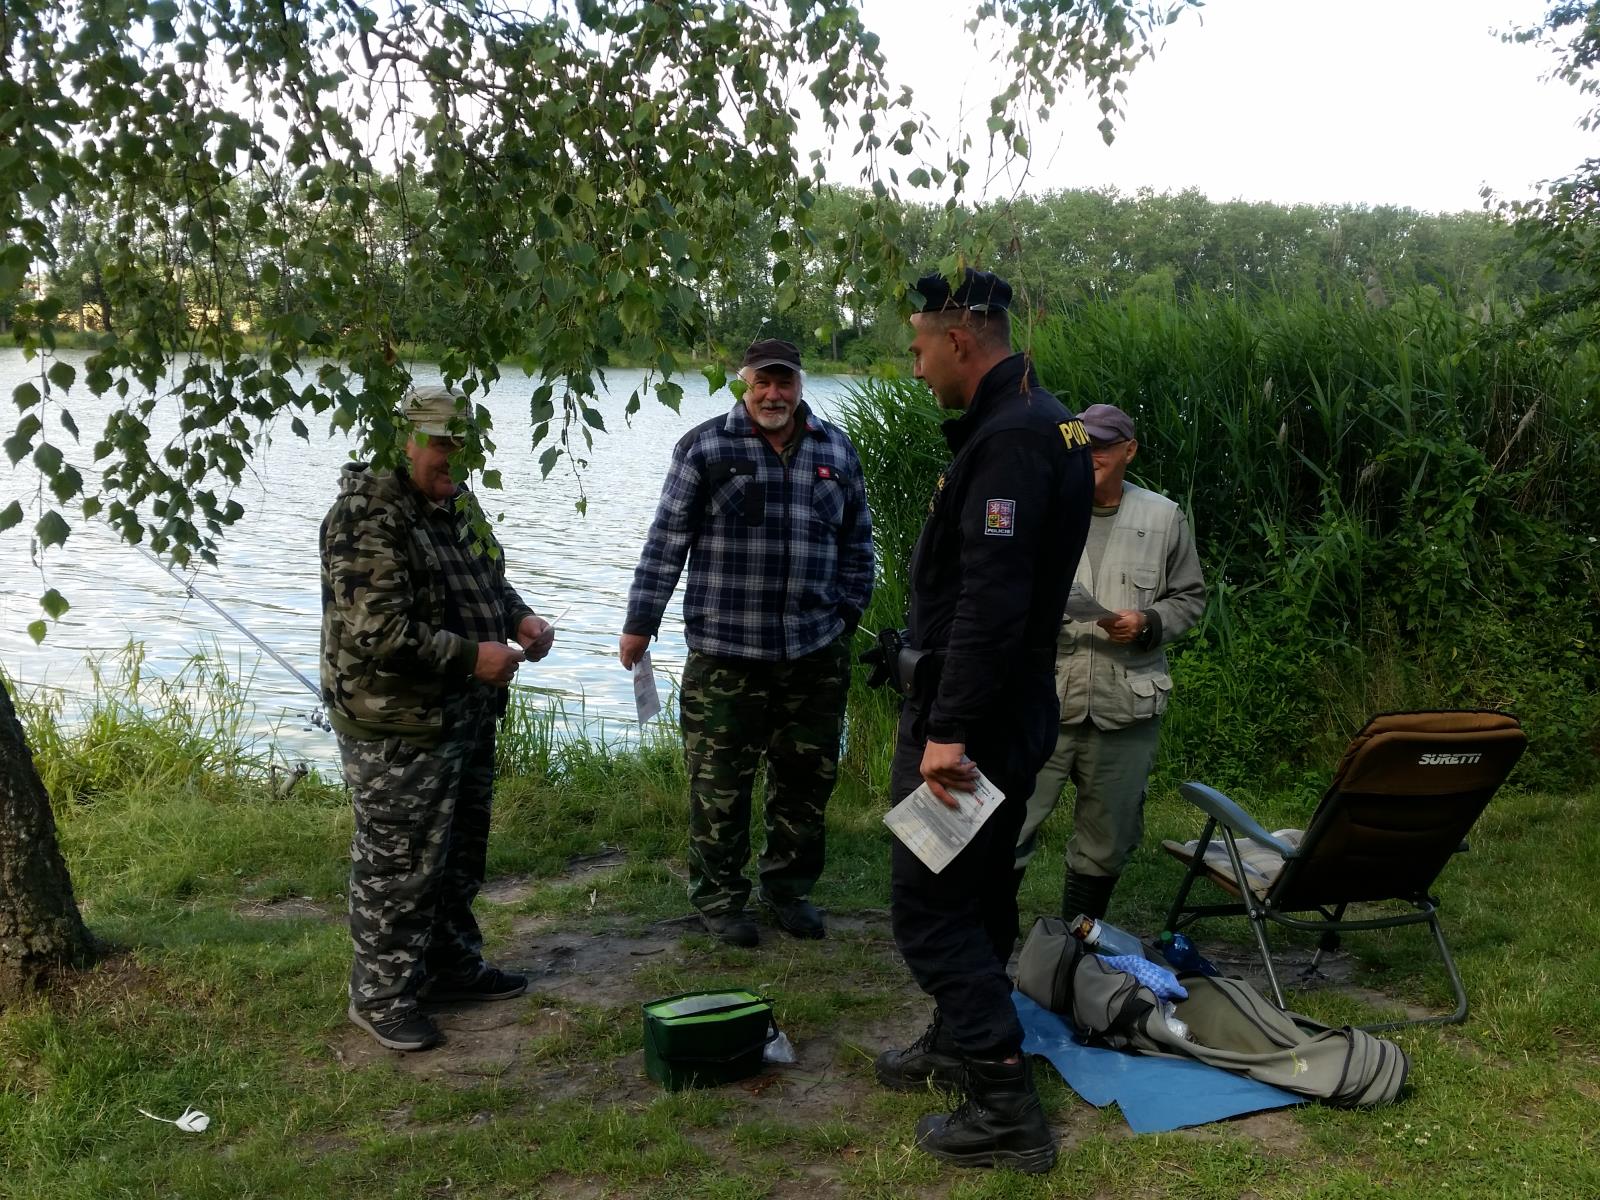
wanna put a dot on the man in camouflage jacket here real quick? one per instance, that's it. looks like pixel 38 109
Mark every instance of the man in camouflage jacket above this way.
pixel 768 506
pixel 416 617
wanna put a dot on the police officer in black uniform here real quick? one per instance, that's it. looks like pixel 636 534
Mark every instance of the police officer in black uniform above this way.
pixel 989 582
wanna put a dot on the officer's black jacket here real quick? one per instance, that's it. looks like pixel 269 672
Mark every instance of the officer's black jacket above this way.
pixel 995 560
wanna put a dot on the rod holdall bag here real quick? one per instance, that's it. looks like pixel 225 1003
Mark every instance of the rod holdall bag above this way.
pixel 1230 1025
pixel 701 1039
pixel 1044 968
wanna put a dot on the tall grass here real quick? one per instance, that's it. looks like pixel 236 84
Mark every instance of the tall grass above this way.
pixel 1420 458
pixel 1394 509
pixel 133 728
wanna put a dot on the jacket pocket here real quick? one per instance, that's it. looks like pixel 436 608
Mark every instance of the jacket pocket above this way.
pixel 1145 580
pixel 827 502
pixel 1150 694
pixel 735 490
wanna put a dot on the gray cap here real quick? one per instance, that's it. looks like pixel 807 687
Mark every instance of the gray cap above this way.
pixel 1106 423
pixel 431 407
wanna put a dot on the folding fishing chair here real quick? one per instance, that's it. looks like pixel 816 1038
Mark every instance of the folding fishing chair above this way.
pixel 1408 789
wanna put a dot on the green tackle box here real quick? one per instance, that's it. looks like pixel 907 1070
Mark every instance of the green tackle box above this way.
pixel 700 1039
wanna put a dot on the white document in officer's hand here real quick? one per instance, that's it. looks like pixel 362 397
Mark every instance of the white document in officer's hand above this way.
pixel 936 834
pixel 645 696
pixel 1082 606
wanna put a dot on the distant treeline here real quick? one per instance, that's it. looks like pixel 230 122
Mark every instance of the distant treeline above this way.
pixel 1061 250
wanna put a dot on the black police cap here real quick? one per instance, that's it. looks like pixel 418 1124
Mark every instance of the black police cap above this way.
pixel 978 291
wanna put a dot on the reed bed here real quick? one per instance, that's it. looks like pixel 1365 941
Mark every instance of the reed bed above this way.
pixel 1394 507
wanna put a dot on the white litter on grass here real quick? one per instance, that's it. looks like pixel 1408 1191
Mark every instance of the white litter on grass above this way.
pixel 779 1050
pixel 192 1121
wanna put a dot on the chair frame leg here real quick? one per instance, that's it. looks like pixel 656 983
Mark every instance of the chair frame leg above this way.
pixel 1459 1014
pixel 1182 914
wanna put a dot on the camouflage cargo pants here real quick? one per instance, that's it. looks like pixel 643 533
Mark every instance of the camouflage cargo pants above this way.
pixel 417 859
pixel 732 711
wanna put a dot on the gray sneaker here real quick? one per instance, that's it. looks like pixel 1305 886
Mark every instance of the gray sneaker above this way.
pixel 490 983
pixel 411 1030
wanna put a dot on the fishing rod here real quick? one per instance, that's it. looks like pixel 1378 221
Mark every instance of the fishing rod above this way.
pixel 317 718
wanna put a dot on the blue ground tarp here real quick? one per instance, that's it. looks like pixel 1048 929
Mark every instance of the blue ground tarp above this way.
pixel 1154 1094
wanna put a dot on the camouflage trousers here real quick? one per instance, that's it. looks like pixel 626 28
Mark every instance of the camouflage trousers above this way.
pixel 417 859
pixel 732 711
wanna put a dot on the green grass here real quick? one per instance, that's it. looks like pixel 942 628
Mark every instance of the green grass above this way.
pixel 205 1003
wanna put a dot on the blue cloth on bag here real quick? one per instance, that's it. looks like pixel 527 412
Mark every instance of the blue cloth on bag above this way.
pixel 1154 1094
pixel 1153 975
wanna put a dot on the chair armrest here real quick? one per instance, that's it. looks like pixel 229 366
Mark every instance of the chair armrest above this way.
pixel 1214 804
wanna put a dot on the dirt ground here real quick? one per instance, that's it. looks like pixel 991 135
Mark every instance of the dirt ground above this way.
pixel 831 1081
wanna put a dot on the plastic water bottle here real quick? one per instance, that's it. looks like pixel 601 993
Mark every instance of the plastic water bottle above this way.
pixel 1179 951
pixel 1169 1013
pixel 1104 938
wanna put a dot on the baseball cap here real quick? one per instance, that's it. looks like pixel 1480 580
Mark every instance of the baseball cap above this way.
pixel 978 291
pixel 771 352
pixel 1106 423
pixel 431 407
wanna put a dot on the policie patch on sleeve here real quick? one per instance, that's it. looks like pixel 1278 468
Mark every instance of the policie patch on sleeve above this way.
pixel 999 518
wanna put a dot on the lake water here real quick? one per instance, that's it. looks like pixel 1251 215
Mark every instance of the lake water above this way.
pixel 267 573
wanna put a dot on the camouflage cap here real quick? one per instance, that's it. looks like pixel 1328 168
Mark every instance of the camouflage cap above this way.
pixel 431 408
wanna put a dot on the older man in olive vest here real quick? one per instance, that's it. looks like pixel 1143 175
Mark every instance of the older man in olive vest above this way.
pixel 1111 674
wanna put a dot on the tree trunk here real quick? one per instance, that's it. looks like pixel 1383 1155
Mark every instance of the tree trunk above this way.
pixel 40 926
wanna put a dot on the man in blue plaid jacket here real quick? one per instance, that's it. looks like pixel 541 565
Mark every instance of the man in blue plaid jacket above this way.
pixel 768 507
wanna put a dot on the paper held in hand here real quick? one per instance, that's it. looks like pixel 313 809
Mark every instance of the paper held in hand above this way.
pixel 1082 606
pixel 936 834
pixel 645 696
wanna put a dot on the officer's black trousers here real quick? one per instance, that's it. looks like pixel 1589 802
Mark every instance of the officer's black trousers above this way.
pixel 956 929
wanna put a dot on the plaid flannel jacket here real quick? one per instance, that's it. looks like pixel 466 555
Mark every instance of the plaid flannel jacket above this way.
pixel 780 557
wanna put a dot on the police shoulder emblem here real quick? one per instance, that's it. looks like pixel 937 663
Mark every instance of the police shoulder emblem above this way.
pixel 999 518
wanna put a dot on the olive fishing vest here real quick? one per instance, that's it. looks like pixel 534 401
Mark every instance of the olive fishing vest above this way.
pixel 1096 679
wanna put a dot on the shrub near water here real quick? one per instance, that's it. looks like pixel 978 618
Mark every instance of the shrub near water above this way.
pixel 1393 507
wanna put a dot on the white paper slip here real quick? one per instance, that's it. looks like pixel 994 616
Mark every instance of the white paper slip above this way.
pixel 645 696
pixel 559 617
pixel 935 833
pixel 1082 606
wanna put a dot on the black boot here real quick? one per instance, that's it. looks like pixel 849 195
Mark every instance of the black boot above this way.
pixel 999 1124
pixel 931 1061
pixel 1087 894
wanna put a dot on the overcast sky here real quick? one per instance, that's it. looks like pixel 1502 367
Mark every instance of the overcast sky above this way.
pixel 1411 102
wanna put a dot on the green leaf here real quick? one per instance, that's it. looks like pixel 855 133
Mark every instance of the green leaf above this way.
pixel 62 374
pixel 10 516
pixel 51 529
pixel 491 479
pixel 24 396
pixel 21 439
pixel 36 630
pixel 716 378
pixel 66 484
pixel 547 461
pixel 54 603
